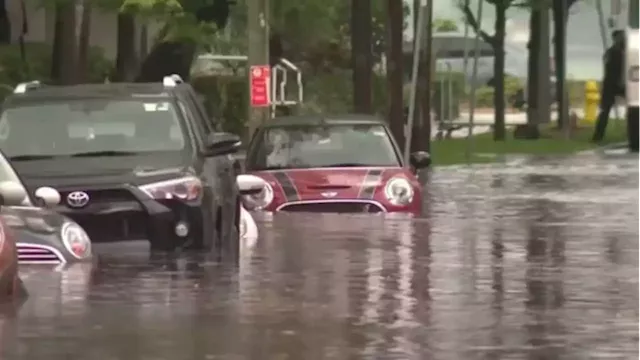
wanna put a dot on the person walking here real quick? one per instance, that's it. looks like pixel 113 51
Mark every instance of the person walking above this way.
pixel 612 84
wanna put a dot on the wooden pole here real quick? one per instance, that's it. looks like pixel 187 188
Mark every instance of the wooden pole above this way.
pixel 258 39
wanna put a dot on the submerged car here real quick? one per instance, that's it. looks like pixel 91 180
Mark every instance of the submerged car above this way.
pixel 11 193
pixel 334 164
pixel 42 235
pixel 131 161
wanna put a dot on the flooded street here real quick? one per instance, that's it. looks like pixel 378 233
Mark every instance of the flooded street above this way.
pixel 532 260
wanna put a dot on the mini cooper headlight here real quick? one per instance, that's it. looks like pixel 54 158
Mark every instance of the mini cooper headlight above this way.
pixel 185 188
pixel 399 191
pixel 260 200
pixel 76 240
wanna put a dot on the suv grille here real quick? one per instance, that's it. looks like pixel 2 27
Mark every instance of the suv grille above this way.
pixel 116 227
pixel 334 207
pixel 37 254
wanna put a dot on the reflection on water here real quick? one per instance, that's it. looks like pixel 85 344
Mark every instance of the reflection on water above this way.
pixel 538 261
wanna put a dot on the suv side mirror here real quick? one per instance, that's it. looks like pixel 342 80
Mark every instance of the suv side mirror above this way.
pixel 222 143
pixel 420 159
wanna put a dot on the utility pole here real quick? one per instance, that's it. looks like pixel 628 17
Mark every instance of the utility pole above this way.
pixel 395 75
pixel 258 54
pixel 361 55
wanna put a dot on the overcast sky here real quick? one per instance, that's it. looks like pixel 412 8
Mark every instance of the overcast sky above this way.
pixel 584 48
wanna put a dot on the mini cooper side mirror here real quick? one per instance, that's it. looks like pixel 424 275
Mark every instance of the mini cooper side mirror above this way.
pixel 420 159
pixel 48 196
pixel 222 143
pixel 12 193
pixel 250 184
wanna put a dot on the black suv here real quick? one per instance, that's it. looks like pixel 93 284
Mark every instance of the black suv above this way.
pixel 130 161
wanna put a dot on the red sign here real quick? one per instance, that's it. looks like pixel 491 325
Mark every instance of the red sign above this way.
pixel 259 84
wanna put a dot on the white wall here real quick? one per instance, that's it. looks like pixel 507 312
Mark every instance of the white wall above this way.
pixel 40 23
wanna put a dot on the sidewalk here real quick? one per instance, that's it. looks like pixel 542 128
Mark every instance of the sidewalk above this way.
pixel 486 116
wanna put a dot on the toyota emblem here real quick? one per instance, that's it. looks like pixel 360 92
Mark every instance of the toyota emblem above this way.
pixel 77 199
pixel 329 194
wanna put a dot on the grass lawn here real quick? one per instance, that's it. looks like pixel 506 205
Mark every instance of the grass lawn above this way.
pixel 552 142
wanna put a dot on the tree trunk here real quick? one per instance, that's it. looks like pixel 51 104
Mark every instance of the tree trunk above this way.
pixel 361 56
pixel 63 57
pixel 83 43
pixel 395 75
pixel 532 66
pixel 425 76
pixel 499 131
pixel 543 71
pixel 560 16
pixel 126 59
pixel 5 24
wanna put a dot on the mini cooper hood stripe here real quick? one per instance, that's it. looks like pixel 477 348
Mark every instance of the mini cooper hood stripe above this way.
pixel 370 183
pixel 288 187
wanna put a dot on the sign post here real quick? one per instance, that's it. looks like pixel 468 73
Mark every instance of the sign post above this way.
pixel 259 86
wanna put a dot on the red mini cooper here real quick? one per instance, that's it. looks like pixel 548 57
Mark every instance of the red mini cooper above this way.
pixel 337 164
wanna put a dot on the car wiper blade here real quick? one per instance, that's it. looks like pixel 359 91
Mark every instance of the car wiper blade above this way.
pixel 346 165
pixel 30 157
pixel 104 153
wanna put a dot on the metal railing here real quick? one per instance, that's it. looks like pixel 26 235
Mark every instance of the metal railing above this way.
pixel 279 80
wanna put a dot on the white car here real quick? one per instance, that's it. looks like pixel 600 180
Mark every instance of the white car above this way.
pixel 248 185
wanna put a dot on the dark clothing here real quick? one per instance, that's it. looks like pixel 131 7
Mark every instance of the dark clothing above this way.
pixel 606 104
pixel 612 86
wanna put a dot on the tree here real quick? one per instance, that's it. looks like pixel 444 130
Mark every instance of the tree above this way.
pixel 64 56
pixel 497 43
pixel 361 55
pixel 189 24
pixel 395 74
pixel 560 10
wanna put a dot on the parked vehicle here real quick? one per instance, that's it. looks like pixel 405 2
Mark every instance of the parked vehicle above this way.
pixel 11 193
pixel 130 161
pixel 345 163
pixel 42 236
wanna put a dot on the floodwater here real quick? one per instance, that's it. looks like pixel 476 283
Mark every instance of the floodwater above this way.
pixel 528 260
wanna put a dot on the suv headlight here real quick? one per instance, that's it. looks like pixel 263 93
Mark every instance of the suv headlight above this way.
pixel 187 188
pixel 260 200
pixel 399 191
pixel 76 240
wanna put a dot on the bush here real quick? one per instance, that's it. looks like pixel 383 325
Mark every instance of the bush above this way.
pixel 14 70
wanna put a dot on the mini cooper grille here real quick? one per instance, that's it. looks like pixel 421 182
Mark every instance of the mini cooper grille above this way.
pixel 334 207
pixel 34 254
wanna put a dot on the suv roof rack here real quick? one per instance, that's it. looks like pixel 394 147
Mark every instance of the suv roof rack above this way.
pixel 22 88
pixel 172 80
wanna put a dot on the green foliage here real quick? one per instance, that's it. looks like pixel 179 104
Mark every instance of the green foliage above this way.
pixel 444 25
pixel 152 7
pixel 38 66
pixel 14 70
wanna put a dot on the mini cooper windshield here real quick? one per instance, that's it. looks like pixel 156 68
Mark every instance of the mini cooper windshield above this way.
pixel 290 147
pixel 90 127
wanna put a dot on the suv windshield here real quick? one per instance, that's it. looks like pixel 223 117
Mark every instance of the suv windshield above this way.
pixel 90 127
pixel 323 146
